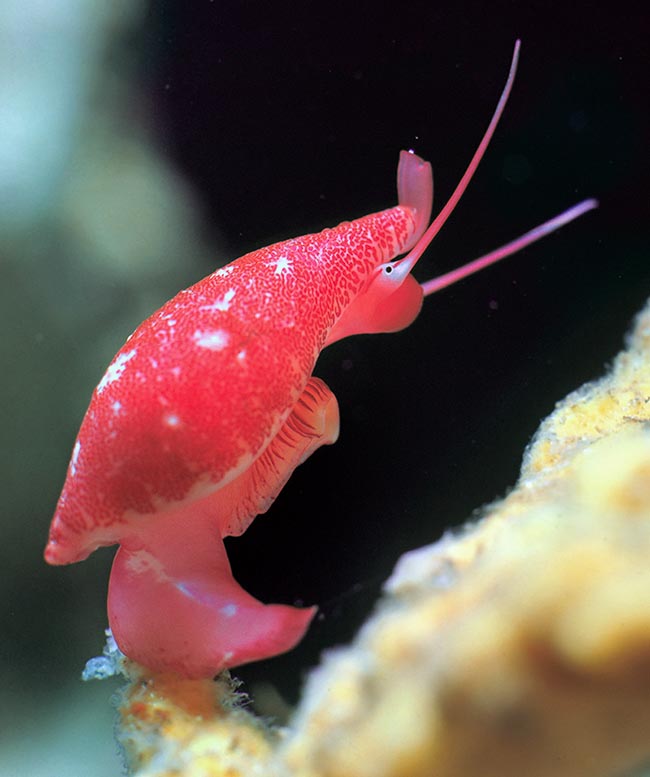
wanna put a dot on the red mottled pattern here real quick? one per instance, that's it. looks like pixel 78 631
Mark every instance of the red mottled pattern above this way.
pixel 204 384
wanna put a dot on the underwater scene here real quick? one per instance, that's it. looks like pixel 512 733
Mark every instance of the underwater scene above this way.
pixel 289 502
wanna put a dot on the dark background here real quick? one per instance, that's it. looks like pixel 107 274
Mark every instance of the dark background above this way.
pixel 287 117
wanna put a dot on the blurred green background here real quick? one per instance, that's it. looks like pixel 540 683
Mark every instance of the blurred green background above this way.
pixel 143 144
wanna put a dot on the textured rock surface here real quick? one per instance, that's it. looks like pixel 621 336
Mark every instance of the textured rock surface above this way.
pixel 519 646
pixel 169 726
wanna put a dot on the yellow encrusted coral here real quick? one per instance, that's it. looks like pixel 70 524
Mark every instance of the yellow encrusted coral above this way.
pixel 169 726
pixel 519 647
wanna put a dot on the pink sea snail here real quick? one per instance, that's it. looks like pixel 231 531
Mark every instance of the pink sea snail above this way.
pixel 209 406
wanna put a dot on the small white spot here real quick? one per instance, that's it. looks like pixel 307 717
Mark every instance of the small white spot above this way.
pixel 162 335
pixel 115 370
pixel 282 264
pixel 223 303
pixel 241 355
pixel 213 339
pixel 224 272
pixel 227 655
pixel 172 420
pixel 229 610
pixel 117 406
pixel 176 371
pixel 75 458
pixel 142 562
